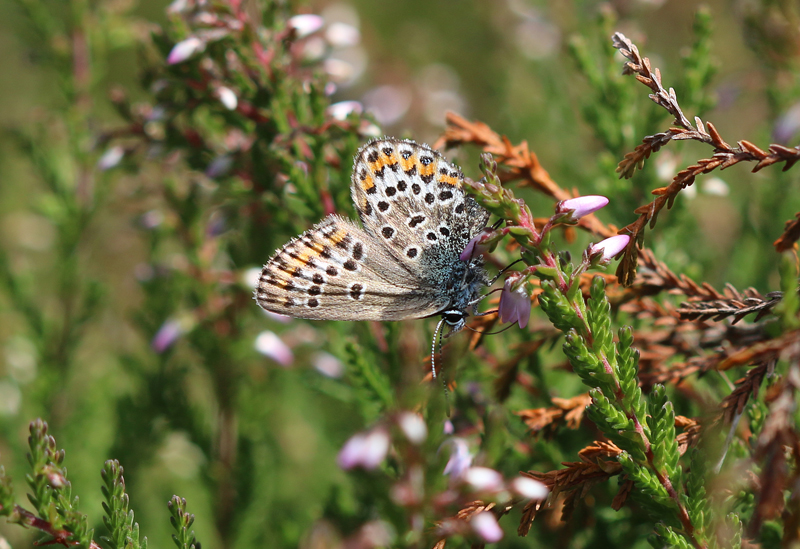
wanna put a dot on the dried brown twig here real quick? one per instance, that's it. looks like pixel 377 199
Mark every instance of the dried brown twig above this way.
pixel 571 410
pixel 733 304
pixel 791 233
pixel 517 161
pixel 724 154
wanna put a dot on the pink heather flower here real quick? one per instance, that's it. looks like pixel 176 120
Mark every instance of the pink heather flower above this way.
pixel 305 24
pixel 328 365
pixel 460 458
pixel 484 524
pixel 581 206
pixel 413 427
pixel 609 247
pixel 483 479
pixel 515 304
pixel 111 158
pixel 270 345
pixel 168 334
pixel 184 49
pixel 342 109
pixel 529 488
pixel 476 246
pixel 366 450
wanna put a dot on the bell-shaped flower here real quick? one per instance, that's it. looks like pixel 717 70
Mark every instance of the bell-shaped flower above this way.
pixel 515 303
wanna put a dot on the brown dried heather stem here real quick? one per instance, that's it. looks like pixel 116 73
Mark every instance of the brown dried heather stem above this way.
pixel 724 154
pixel 734 304
pixel 778 434
pixel 518 162
pixel 746 387
pixel 569 409
pixel 791 233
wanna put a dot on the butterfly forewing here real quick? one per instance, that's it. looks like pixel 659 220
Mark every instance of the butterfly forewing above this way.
pixel 337 271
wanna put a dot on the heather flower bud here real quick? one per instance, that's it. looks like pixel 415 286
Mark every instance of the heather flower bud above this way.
pixel 575 208
pixel 609 247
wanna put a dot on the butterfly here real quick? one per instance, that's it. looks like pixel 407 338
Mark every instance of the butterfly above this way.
pixel 402 262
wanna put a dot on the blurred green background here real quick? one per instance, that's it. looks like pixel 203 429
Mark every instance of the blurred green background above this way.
pixel 107 394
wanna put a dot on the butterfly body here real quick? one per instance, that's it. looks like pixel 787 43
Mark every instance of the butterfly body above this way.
pixel 402 263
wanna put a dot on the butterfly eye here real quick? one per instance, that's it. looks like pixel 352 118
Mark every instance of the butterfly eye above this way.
pixel 454 317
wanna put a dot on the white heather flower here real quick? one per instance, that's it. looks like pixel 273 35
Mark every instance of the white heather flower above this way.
pixel 306 23
pixel 413 427
pixel 227 98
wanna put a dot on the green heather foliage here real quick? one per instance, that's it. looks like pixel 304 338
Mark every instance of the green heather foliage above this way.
pixel 152 158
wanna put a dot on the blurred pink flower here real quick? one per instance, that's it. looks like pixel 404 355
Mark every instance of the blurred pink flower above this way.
pixel 485 525
pixel 184 49
pixel 270 345
pixel 342 109
pixel 167 334
pixel 111 158
pixel 484 479
pixel 413 427
pixel 529 488
pixel 460 458
pixel 367 450
pixel 515 304
pixel 610 246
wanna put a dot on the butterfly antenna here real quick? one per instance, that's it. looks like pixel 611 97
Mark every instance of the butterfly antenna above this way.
pixel 433 348
pixel 491 333
pixel 436 333
pixel 498 275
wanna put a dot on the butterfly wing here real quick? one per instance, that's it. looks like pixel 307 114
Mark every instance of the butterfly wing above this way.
pixel 412 199
pixel 338 271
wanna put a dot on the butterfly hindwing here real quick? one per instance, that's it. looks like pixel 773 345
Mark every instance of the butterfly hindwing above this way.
pixel 412 199
pixel 338 271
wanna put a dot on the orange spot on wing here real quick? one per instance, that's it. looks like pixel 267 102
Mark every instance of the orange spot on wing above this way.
pixel 448 180
pixel 338 236
pixel 407 163
pixel 368 183
pixel 430 169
